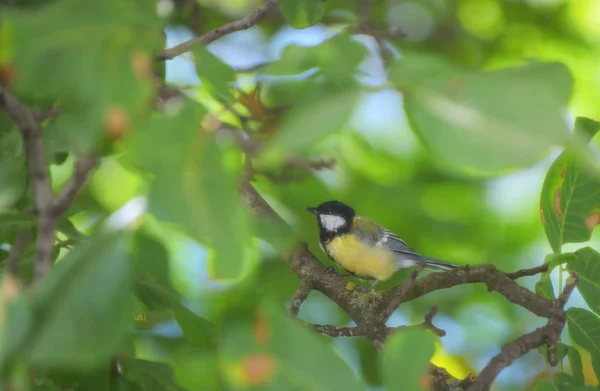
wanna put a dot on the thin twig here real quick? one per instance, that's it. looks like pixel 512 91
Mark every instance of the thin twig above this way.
pixel 83 166
pixel 428 322
pixel 242 24
pixel 48 113
pixel 15 253
pixel 364 14
pixel 547 334
pixel 299 296
pixel 527 272
pixel 38 172
pixel 397 299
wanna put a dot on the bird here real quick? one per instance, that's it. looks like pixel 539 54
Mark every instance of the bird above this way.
pixel 364 248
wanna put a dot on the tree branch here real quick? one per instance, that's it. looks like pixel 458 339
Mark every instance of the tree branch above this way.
pixel 301 294
pixel 547 334
pixel 40 177
pixel 397 298
pixel 15 253
pixel 238 25
pixel 494 279
pixel 83 166
pixel 528 272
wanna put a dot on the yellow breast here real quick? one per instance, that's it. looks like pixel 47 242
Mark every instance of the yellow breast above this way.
pixel 361 259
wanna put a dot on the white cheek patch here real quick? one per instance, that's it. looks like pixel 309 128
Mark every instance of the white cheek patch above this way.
pixel 332 223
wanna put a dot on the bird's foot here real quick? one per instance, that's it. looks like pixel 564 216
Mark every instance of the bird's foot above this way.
pixel 362 289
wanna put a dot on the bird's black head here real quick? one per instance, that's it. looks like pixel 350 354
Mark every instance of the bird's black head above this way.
pixel 334 217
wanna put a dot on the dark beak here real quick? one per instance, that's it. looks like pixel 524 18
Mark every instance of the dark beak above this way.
pixel 312 210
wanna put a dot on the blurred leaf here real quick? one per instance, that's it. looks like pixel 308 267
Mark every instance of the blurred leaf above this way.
pixel 154 288
pixel 84 306
pixel 197 330
pixel 584 328
pixel 152 261
pixel 302 13
pixel 576 365
pixel 271 351
pixel 587 267
pixel 16 326
pixel 64 50
pixel 193 187
pixel 544 287
pixel 106 381
pixel 325 57
pixel 570 195
pixel 543 385
pixel 216 76
pixel 563 382
pixel 9 219
pixel 310 122
pixel 150 376
pixel 485 122
pixel 406 358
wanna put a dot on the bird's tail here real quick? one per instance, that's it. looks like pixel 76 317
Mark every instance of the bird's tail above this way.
pixel 437 264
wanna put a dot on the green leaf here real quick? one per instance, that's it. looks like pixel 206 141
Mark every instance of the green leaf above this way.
pixel 216 76
pixel 12 219
pixel 192 186
pixel 83 306
pixel 150 376
pixel 576 365
pixel 311 122
pixel 587 267
pixel 155 290
pixel 302 13
pixel 97 60
pixel 570 195
pixel 544 385
pixel 15 328
pixel 406 358
pixel 584 328
pixel 197 330
pixel 561 351
pixel 106 381
pixel 485 123
pixel 271 351
pixel 298 59
pixel 544 287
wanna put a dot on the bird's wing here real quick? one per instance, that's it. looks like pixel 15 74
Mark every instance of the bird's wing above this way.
pixel 375 235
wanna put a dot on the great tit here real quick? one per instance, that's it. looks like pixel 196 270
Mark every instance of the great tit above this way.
pixel 364 248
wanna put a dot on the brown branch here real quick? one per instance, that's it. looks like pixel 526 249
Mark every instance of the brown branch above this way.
pixel 528 272
pixel 48 113
pixel 15 253
pixel 83 166
pixel 428 322
pixel 487 274
pixel 40 178
pixel 299 296
pixel 339 331
pixel 547 334
pixel 242 24
pixel 399 294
